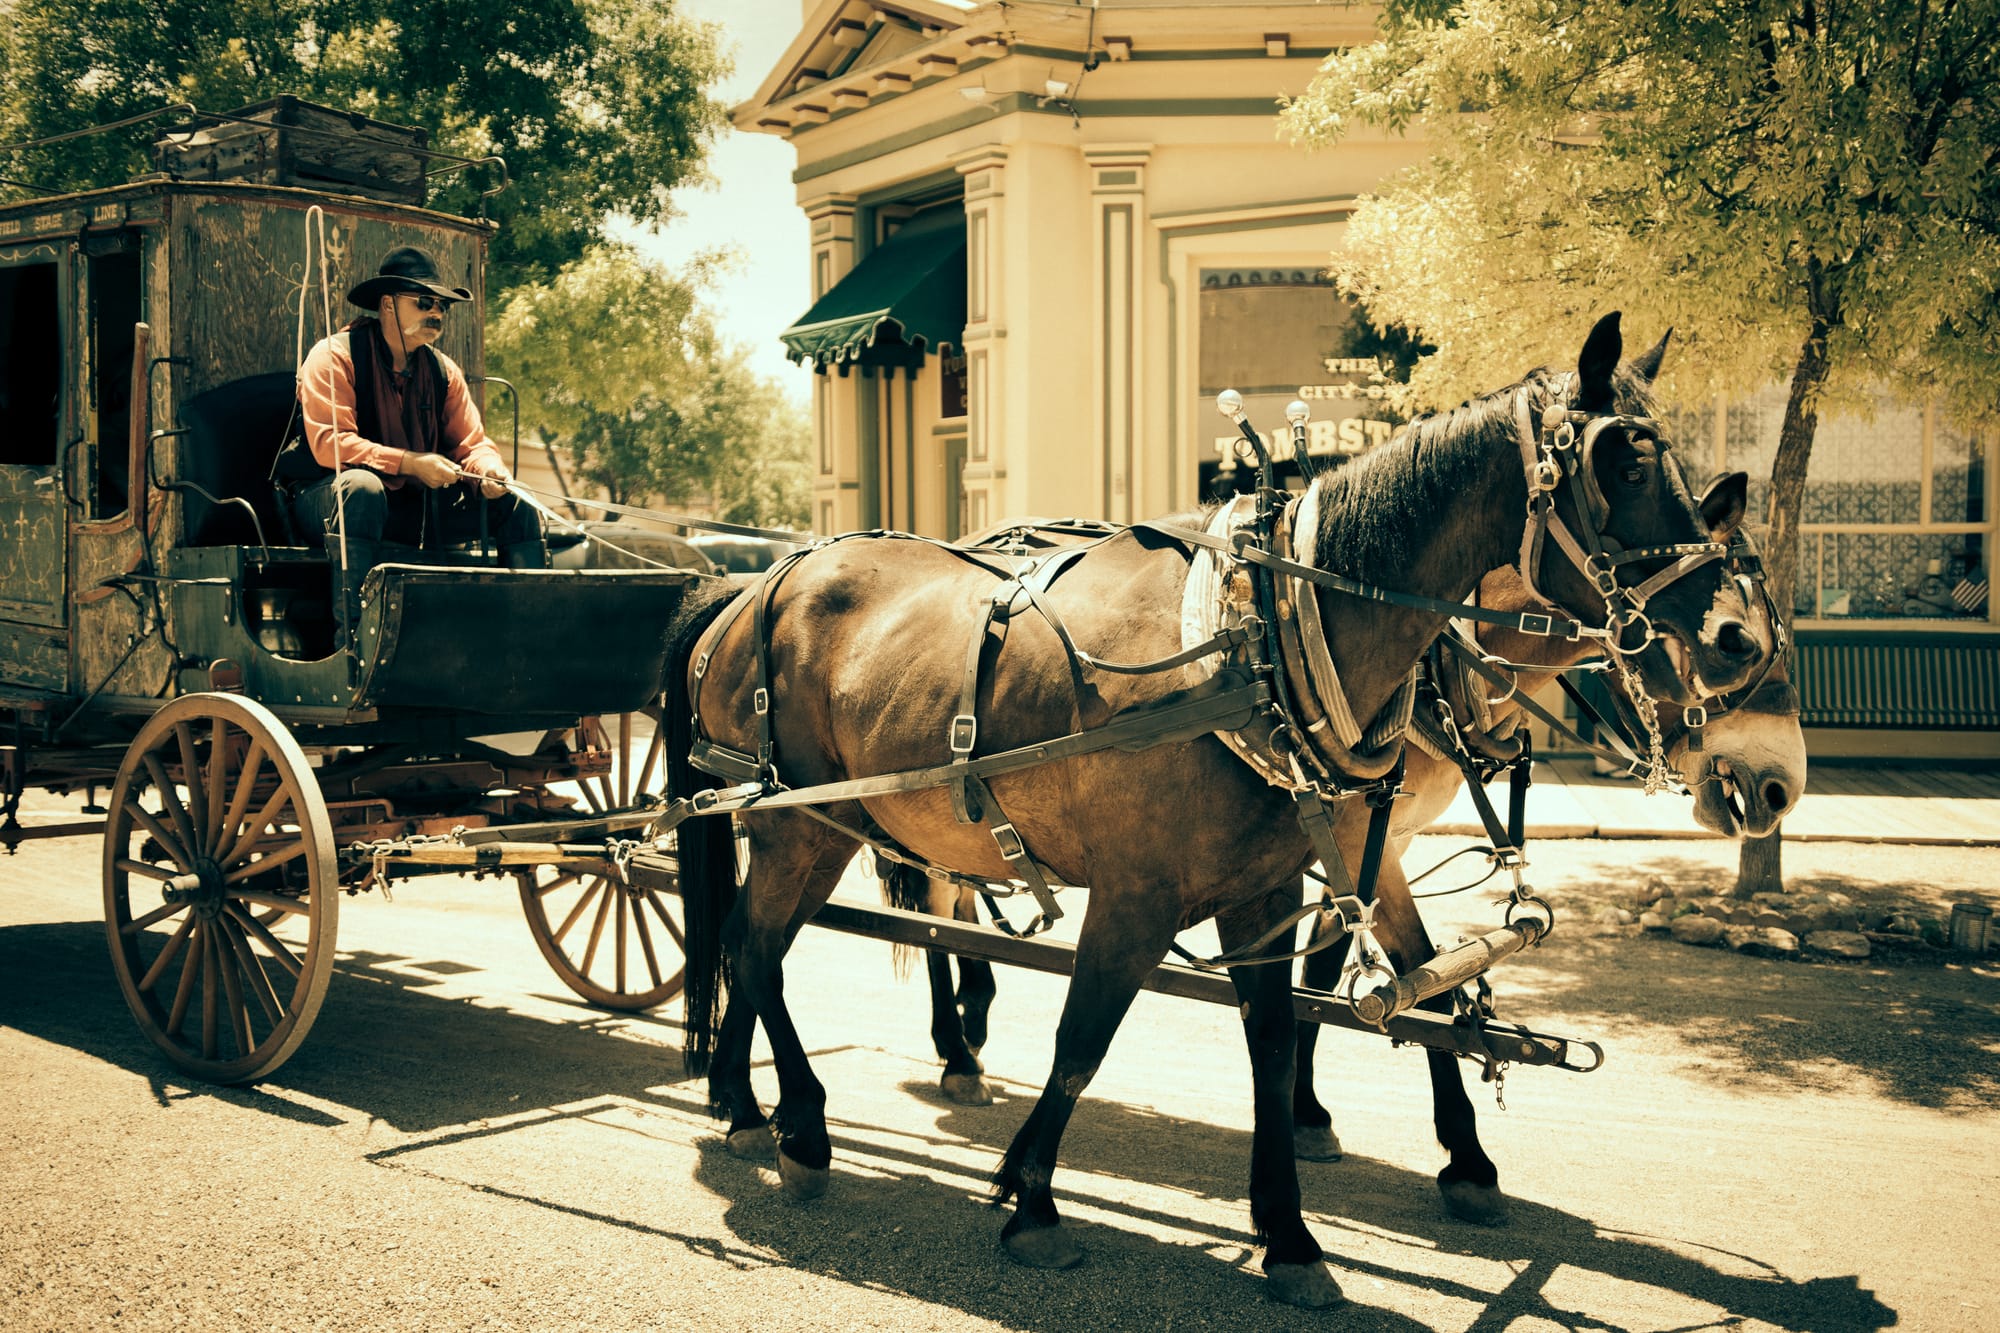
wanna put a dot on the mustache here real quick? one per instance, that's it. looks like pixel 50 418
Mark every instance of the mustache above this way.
pixel 433 323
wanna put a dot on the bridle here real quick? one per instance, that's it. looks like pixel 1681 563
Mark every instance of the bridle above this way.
pixel 1561 456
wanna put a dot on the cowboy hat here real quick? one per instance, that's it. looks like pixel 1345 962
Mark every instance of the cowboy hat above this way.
pixel 405 269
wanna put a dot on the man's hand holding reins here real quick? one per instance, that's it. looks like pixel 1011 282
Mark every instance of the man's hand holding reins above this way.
pixel 430 470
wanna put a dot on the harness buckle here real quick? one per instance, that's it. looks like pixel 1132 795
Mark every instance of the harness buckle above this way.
pixel 1538 623
pixel 760 701
pixel 964 732
pixel 1695 717
pixel 1011 846
pixel 701 666
pixel 1548 475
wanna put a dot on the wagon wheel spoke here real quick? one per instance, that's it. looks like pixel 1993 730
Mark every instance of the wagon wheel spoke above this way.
pixel 218 750
pixel 198 884
pixel 168 954
pixel 255 978
pixel 603 971
pixel 589 896
pixel 170 805
pixel 239 800
pixel 562 880
pixel 183 993
pixel 597 926
pixel 646 946
pixel 208 1005
pixel 197 787
pixel 169 843
pixel 281 952
pixel 673 926
pixel 618 936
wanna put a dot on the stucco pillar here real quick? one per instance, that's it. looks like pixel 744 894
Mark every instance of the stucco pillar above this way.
pixel 835 411
pixel 1119 228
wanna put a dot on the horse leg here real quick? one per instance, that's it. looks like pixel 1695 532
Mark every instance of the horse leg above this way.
pixel 794 865
pixel 1293 1262
pixel 952 1027
pixel 975 981
pixel 1124 937
pixel 1469 1182
pixel 1313 1137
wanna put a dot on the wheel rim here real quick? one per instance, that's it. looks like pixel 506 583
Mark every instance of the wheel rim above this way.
pixel 220 890
pixel 615 944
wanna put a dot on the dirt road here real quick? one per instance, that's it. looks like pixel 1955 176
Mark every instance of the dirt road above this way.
pixel 460 1145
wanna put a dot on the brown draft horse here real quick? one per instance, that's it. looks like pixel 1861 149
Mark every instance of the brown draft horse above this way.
pixel 864 645
pixel 1747 773
pixel 1744 777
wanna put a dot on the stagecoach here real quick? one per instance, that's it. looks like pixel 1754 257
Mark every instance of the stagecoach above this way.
pixel 167 643
pixel 168 651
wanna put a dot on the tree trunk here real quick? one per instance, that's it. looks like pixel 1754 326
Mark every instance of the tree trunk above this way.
pixel 1759 866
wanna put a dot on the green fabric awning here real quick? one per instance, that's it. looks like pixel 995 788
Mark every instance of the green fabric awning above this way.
pixel 906 299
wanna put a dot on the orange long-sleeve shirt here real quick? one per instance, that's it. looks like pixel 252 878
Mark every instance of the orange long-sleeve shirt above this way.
pixel 326 400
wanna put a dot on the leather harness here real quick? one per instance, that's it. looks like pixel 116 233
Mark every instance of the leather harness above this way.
pixel 1277 675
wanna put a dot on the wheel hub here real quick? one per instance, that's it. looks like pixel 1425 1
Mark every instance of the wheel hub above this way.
pixel 202 887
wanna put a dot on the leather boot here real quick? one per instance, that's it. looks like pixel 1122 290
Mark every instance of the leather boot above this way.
pixel 362 556
pixel 525 555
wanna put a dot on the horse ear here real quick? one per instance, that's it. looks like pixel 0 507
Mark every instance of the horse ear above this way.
pixel 1597 361
pixel 1723 503
pixel 1647 365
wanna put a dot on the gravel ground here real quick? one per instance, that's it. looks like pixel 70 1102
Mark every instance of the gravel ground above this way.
pixel 1771 1145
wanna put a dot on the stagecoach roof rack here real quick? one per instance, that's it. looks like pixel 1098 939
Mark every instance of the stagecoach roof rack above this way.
pixel 284 115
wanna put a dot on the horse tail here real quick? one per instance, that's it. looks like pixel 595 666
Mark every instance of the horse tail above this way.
pixel 705 846
pixel 907 888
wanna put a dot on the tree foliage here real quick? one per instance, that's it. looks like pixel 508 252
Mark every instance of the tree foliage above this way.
pixel 1803 190
pixel 618 362
pixel 597 106
pixel 1742 170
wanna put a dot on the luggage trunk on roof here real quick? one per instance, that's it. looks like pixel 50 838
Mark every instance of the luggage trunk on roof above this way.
pixel 286 141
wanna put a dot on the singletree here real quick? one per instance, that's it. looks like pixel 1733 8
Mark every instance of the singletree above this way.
pixel 1802 190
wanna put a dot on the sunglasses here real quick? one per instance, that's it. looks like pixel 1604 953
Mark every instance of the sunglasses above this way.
pixel 430 303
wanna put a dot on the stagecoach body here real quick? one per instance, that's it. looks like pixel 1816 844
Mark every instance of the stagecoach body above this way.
pixel 161 625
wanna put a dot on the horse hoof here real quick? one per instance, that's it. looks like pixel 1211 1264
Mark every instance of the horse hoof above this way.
pixel 1307 1286
pixel 966 1089
pixel 1316 1143
pixel 1482 1205
pixel 754 1144
pixel 800 1182
pixel 1044 1247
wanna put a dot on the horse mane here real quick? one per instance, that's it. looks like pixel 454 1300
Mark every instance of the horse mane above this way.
pixel 1428 465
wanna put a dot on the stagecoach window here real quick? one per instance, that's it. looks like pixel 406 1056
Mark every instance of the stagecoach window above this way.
pixel 30 365
pixel 114 309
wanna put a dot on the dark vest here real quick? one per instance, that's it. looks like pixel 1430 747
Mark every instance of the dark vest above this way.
pixel 423 405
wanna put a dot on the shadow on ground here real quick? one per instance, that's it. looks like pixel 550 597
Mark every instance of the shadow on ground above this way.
pixel 435 1068
pixel 1919 1029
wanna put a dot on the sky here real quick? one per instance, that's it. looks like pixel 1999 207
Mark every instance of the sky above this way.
pixel 752 208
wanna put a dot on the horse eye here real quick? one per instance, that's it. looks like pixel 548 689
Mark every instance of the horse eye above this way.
pixel 1632 474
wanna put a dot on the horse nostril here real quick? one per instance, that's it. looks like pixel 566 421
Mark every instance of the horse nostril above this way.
pixel 1775 797
pixel 1733 639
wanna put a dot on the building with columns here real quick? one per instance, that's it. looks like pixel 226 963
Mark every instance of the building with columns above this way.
pixel 1045 234
pixel 1016 211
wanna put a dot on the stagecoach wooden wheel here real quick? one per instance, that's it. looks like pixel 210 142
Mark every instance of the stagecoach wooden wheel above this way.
pixel 221 892
pixel 617 945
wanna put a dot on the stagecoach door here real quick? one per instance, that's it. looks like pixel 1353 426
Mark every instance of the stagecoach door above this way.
pixel 36 418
